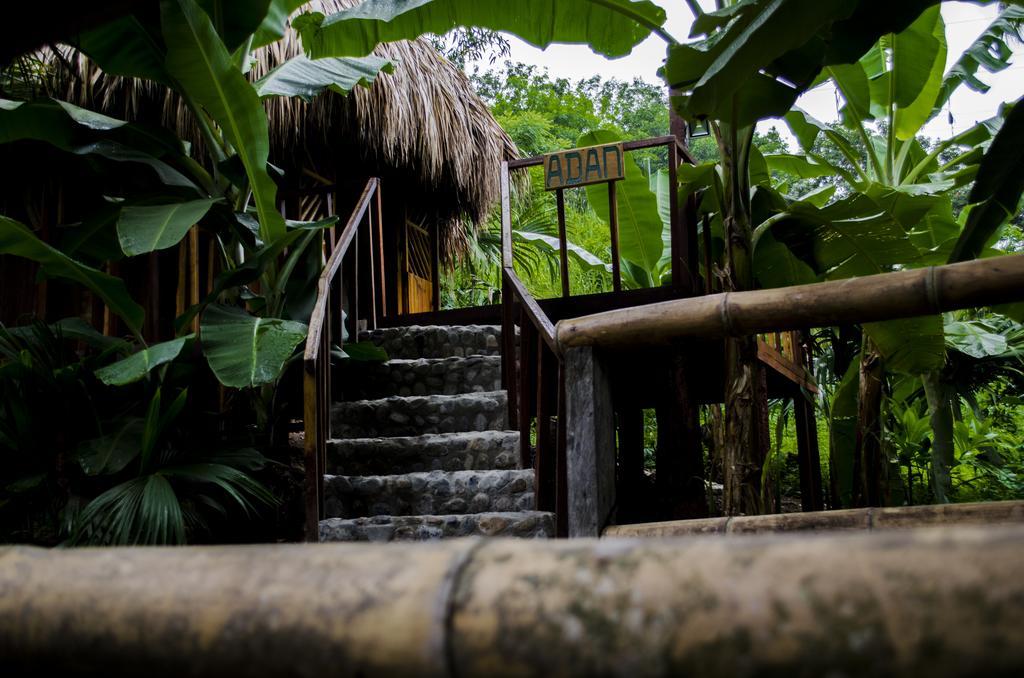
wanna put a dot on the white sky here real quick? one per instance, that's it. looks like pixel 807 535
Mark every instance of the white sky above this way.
pixel 964 23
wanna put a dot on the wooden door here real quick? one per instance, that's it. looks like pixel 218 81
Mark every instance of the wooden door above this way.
pixel 419 269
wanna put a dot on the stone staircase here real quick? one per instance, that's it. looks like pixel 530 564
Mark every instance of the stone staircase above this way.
pixel 422 448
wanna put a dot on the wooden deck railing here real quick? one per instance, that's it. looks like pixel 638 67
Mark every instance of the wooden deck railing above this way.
pixel 327 327
pixel 591 446
pixel 533 373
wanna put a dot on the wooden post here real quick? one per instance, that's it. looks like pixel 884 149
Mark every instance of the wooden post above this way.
pixel 193 273
pixel 808 457
pixel 508 335
pixel 563 242
pixel 435 263
pixel 630 490
pixel 371 273
pixel 709 281
pixel 679 434
pixel 590 443
pixel 544 456
pixel 561 463
pixel 807 454
pixel 613 213
pixel 680 275
pixel 528 338
pixel 382 275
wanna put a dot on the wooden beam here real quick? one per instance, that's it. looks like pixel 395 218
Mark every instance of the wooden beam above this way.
pixel 563 241
pixel 590 443
pixel 544 458
pixel 613 224
pixel 934 603
pixel 872 298
pixel 862 519
pixel 526 391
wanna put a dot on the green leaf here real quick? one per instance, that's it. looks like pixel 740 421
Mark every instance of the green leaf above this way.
pixel 583 257
pixel 847 238
pixel 776 266
pixel 147 228
pixel 975 338
pixel 235 20
pixel 910 345
pixel 818 197
pixel 364 351
pixel 843 432
pixel 306 78
pixel 112 453
pixel 610 27
pixel 130 46
pixel 276 22
pixel 17 239
pixel 245 351
pixel 640 225
pixel 989 51
pixel 756 65
pixel 138 365
pixel 239 486
pixel 997 188
pixel 799 166
pixel 84 132
pixel 143 510
pixel 852 82
pixel 919 59
pixel 201 64
pixel 1013 311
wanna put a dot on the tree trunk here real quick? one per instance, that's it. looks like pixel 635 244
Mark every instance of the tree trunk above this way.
pixel 940 407
pixel 870 468
pixel 742 454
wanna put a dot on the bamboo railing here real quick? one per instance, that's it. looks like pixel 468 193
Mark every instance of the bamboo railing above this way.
pixel 326 328
pixel 937 602
pixel 582 341
pixel 872 298
pixel 860 519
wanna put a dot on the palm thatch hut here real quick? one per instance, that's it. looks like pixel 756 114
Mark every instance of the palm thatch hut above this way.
pixel 420 128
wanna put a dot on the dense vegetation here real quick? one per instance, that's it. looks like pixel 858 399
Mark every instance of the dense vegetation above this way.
pixel 946 420
pixel 924 409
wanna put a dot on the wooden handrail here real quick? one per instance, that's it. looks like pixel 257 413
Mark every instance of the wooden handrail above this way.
pixel 536 314
pixel 323 286
pixel 533 371
pixel 884 296
pixel 317 360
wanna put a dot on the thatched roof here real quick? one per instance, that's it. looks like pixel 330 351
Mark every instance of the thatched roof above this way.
pixel 421 128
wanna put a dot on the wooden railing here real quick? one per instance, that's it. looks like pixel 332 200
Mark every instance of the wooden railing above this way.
pixel 336 298
pixel 591 442
pixel 533 373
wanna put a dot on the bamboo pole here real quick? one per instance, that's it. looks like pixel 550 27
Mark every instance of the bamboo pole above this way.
pixel 872 298
pixel 864 519
pixel 940 602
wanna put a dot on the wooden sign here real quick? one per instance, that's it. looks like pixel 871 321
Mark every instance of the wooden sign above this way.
pixel 582 166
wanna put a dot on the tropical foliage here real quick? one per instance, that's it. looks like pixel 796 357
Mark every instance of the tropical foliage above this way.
pixel 891 202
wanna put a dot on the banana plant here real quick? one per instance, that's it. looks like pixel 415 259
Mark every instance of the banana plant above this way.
pixel 903 191
pixel 202 50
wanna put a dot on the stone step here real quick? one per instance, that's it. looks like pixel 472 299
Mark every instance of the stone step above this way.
pixel 436 341
pixel 433 493
pixel 474 450
pixel 522 524
pixel 423 376
pixel 417 415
